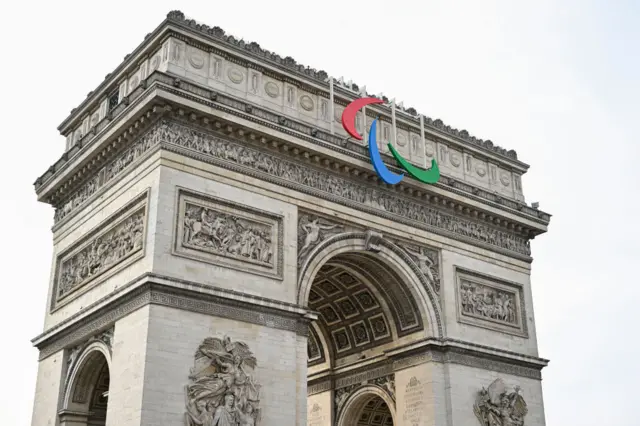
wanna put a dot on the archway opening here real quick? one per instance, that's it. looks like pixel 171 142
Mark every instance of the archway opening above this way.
pixel 100 398
pixel 365 308
pixel 375 412
pixel 87 394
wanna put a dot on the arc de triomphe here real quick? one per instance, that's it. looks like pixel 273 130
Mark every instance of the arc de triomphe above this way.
pixel 224 254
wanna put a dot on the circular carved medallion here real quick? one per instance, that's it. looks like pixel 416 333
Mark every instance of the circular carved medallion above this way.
pixel 94 119
pixel 455 159
pixel 235 75
pixel 428 149
pixel 272 89
pixel 401 139
pixel 155 61
pixel 196 60
pixel 306 102
pixel 504 178
pixel 134 82
pixel 481 170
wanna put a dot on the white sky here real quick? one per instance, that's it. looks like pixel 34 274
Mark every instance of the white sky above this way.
pixel 555 80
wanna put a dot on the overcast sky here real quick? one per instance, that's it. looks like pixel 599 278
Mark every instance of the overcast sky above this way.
pixel 556 80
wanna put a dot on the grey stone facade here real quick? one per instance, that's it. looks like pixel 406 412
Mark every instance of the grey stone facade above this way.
pixel 224 251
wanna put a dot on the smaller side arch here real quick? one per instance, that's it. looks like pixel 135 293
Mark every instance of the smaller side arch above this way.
pixel 84 373
pixel 353 406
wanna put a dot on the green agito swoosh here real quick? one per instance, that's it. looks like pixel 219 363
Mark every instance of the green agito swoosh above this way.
pixel 427 176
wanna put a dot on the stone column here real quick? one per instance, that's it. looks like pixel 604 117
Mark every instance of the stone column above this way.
pixel 420 392
pixel 320 409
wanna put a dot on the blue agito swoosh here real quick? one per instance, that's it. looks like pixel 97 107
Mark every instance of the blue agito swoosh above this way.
pixel 384 173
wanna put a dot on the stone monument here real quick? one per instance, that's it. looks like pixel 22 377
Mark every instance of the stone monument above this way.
pixel 224 254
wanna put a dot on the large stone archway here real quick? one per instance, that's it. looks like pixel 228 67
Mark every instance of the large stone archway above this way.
pixel 87 386
pixel 371 298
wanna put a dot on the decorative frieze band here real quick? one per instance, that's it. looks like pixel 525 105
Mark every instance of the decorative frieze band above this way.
pixel 114 244
pixel 334 187
pixel 272 168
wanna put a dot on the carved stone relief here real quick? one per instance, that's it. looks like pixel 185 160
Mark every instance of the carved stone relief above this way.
pixel 272 89
pixel 490 303
pixel 222 232
pixel 306 102
pixel 235 75
pixel 311 231
pixel 496 406
pixel 336 188
pixel 427 260
pixel 117 239
pixel 222 390
pixel 414 408
pixel 388 384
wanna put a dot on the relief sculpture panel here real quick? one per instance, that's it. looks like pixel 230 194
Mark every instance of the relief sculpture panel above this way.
pixel 496 406
pixel 490 303
pixel 222 389
pixel 118 239
pixel 231 235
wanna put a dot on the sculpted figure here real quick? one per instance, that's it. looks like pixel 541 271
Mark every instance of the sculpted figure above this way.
pixel 312 229
pixel 226 414
pixel 222 384
pixel 496 407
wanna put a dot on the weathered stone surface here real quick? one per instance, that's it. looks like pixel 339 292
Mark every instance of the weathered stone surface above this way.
pixel 293 276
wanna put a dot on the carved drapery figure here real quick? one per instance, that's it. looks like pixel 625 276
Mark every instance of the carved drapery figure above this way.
pixel 222 391
pixel 310 232
pixel 487 302
pixel 427 261
pixel 496 407
pixel 387 383
pixel 221 232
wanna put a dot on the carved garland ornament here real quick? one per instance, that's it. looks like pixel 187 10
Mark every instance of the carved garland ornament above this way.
pixel 495 406
pixel 222 390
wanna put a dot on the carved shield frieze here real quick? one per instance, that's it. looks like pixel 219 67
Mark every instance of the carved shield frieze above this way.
pixel 228 234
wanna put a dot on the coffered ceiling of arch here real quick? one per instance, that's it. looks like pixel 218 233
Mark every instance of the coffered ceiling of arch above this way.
pixel 375 413
pixel 351 316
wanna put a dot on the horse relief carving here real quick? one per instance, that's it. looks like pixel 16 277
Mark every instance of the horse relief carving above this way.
pixel 226 234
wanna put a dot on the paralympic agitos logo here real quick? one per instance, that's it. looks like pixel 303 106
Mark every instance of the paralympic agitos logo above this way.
pixel 348 122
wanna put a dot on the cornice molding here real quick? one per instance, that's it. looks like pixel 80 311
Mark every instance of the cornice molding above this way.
pixel 446 218
pixel 442 351
pixel 238 108
pixel 239 50
pixel 175 293
pixel 289 64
